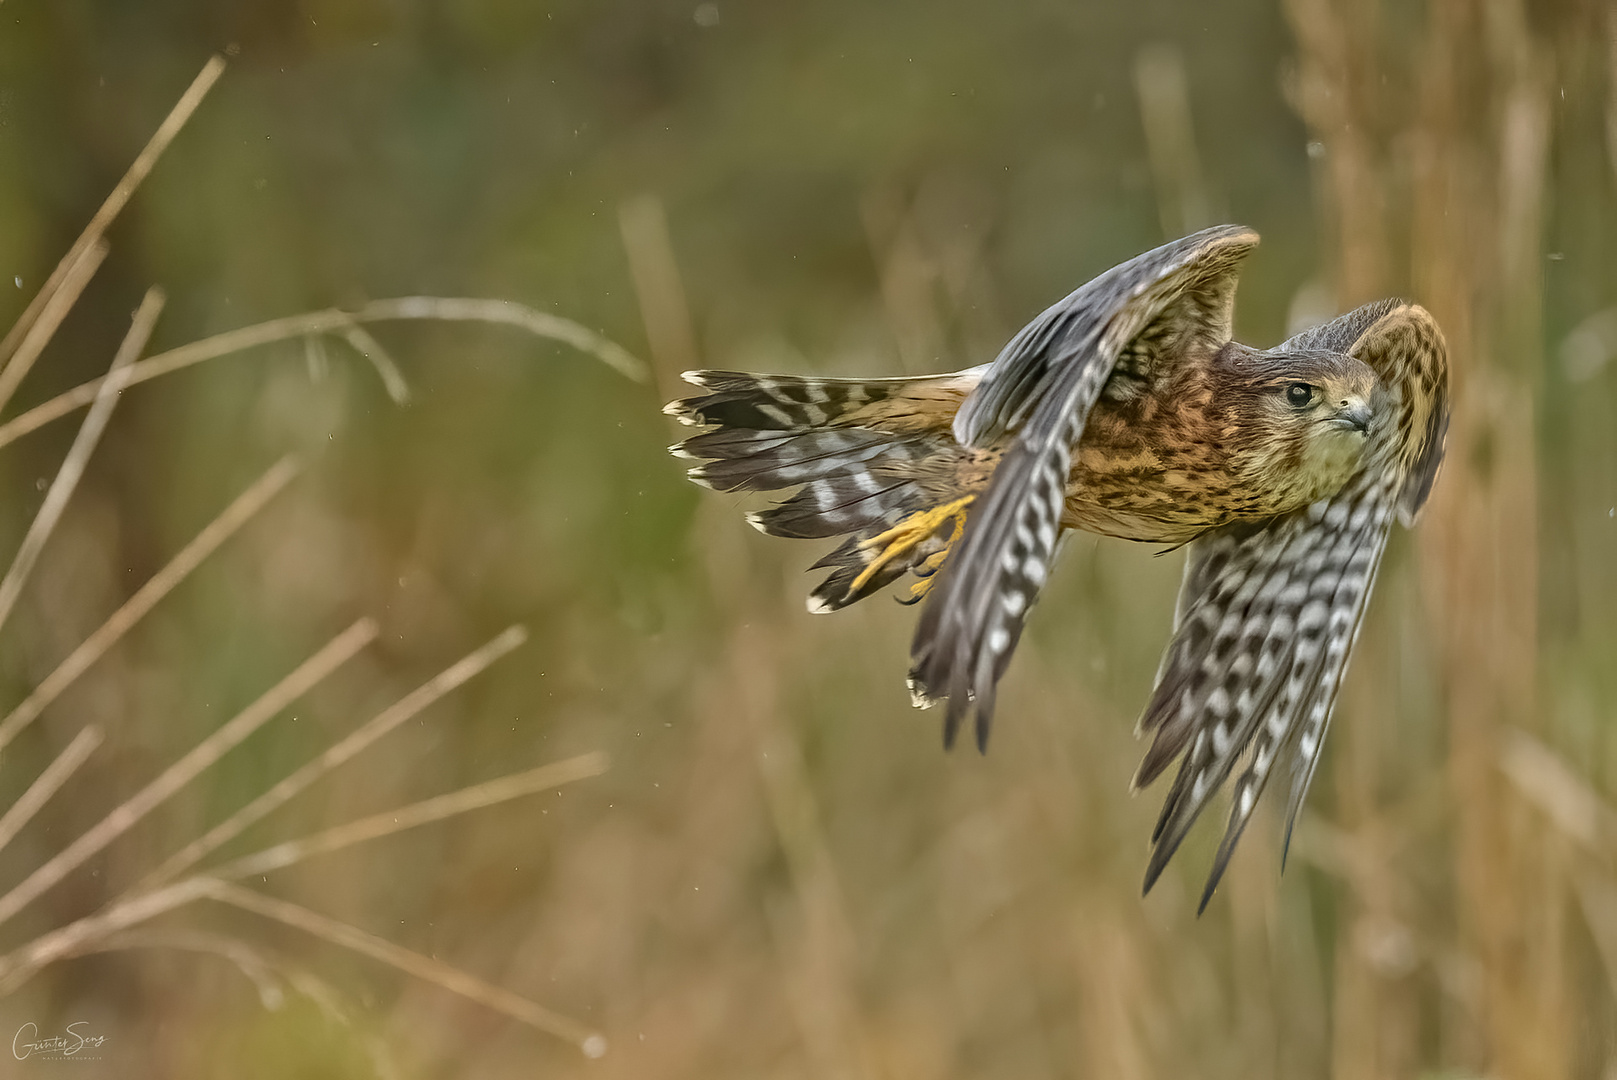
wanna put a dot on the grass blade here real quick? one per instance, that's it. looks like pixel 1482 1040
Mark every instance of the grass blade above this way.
pixel 361 341
pixel 237 514
pixel 489 793
pixel 258 968
pixel 37 328
pixel 20 965
pixel 591 1043
pixel 78 456
pixel 332 321
pixel 59 292
pixel 48 782
pixel 356 741
pixel 336 652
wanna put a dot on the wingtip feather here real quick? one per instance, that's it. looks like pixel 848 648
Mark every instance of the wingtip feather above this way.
pixel 919 698
pixel 1220 864
pixel 1285 845
pixel 952 719
pixel 680 410
pixel 1153 871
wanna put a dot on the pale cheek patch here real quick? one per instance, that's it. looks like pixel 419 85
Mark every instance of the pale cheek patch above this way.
pixel 1332 458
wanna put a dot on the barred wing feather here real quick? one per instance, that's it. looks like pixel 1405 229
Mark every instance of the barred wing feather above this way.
pixel 1039 391
pixel 1268 613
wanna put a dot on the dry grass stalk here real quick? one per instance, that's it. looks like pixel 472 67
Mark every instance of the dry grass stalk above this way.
pixel 333 321
pixel 252 963
pixel 655 272
pixel 816 941
pixel 1564 797
pixel 1597 898
pixel 110 928
pixel 48 782
pixel 94 932
pixel 62 288
pixel 386 369
pixel 99 930
pixel 38 322
pixel 1163 88
pixel 237 514
pixel 315 358
pixel 590 1042
pixel 338 651
pixel 908 274
pixel 67 477
pixel 1476 133
pixel 18 966
pixel 356 741
pixel 61 293
pixel 489 793
pixel 270 975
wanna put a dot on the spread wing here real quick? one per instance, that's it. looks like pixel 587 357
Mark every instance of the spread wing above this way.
pixel 1268 613
pixel 1136 318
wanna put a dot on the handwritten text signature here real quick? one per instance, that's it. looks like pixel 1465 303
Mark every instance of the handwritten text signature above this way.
pixel 73 1041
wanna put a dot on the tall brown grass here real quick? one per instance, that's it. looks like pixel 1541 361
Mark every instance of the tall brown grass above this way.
pixel 123 921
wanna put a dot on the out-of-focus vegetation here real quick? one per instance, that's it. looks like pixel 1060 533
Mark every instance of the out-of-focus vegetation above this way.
pixel 782 874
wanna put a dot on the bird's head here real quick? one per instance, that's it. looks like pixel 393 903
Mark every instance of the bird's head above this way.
pixel 1302 419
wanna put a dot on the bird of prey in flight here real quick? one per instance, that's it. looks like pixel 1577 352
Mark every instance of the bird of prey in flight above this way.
pixel 1125 410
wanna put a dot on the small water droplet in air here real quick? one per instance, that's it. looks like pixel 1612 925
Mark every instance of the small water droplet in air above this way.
pixel 18 280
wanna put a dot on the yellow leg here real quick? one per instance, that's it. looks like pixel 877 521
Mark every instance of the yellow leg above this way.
pixel 908 534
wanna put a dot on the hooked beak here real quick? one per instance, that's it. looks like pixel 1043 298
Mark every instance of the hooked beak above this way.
pixel 1355 415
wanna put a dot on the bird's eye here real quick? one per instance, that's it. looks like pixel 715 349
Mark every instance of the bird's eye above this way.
pixel 1299 394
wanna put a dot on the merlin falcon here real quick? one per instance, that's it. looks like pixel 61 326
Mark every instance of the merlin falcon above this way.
pixel 1124 410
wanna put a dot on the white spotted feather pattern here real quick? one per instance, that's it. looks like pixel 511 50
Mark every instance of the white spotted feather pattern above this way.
pixel 1268 614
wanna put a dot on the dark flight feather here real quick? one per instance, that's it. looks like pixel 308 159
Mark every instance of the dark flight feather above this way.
pixel 1039 391
pixel 1267 615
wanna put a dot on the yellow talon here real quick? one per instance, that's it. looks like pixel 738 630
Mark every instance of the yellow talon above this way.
pixel 910 533
pixel 934 562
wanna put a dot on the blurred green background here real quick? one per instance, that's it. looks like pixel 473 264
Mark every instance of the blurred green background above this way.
pixel 782 874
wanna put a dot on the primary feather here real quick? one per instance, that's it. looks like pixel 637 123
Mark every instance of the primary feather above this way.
pixel 1268 614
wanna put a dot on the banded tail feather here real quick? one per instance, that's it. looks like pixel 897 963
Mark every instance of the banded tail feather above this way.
pixel 872 460
pixel 738 400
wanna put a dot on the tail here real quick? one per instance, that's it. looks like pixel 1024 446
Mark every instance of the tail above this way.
pixel 873 460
